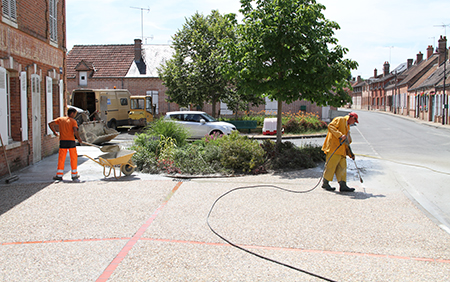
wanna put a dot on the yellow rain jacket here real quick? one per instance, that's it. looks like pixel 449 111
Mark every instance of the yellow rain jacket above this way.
pixel 337 127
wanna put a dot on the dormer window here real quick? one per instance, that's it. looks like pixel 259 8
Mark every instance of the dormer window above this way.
pixel 83 78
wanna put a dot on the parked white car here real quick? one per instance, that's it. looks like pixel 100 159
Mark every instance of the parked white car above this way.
pixel 200 124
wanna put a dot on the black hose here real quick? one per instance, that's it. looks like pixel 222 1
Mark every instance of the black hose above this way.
pixel 275 187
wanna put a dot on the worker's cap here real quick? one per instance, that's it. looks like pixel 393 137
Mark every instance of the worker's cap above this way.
pixel 354 115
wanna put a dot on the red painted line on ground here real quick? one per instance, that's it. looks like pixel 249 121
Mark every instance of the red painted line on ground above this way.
pixel 137 236
pixel 132 241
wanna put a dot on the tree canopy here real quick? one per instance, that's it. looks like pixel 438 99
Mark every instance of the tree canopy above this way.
pixel 192 75
pixel 285 50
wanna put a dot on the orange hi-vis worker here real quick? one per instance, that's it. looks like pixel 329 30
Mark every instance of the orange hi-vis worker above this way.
pixel 68 129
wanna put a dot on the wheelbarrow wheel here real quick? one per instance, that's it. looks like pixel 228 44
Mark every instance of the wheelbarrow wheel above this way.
pixel 127 169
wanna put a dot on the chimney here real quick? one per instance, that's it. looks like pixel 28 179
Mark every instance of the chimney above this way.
pixel 375 73
pixel 386 68
pixel 138 56
pixel 442 49
pixel 429 51
pixel 137 50
pixel 358 79
pixel 409 63
pixel 419 58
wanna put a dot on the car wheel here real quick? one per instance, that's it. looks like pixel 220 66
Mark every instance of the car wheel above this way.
pixel 216 132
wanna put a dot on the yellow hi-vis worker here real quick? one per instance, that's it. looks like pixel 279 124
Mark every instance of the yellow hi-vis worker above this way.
pixel 336 163
pixel 68 129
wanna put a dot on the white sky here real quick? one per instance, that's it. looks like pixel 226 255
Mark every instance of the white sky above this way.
pixel 373 31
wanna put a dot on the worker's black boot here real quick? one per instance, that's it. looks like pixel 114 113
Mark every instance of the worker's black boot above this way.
pixel 326 185
pixel 344 188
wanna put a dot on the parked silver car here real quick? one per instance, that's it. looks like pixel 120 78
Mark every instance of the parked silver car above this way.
pixel 200 124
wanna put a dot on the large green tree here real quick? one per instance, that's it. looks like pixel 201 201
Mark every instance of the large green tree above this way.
pixel 193 75
pixel 286 50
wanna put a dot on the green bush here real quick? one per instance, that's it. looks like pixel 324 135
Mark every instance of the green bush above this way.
pixel 289 156
pixel 158 150
pixel 239 153
pixel 168 128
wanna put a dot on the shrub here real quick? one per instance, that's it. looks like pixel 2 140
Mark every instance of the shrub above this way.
pixel 292 126
pixel 288 156
pixel 239 153
pixel 168 128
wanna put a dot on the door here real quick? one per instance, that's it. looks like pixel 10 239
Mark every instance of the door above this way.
pixel 103 107
pixel 36 116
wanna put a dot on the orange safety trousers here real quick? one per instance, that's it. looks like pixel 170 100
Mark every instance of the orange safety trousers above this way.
pixel 62 159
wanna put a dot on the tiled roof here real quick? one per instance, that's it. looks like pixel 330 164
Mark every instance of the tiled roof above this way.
pixel 423 79
pixel 108 60
pixel 436 78
pixel 414 72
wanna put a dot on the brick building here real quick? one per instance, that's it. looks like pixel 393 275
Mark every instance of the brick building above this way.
pixel 415 88
pixel 32 54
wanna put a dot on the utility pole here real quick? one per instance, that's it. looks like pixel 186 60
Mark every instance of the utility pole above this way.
pixel 444 97
pixel 142 19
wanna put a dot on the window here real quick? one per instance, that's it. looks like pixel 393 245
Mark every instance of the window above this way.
pixel 83 78
pixel 224 109
pixel 53 20
pixel 5 120
pixel 123 101
pixel 154 95
pixel 9 9
pixel 271 107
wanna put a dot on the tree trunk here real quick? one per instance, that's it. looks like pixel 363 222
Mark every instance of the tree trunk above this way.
pixel 214 102
pixel 279 115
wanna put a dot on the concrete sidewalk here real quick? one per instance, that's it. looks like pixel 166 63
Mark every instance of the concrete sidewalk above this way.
pixel 153 228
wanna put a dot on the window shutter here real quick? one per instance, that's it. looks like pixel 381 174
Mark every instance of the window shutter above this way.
pixel 13 10
pixel 3 106
pixel 53 20
pixel 49 99
pixel 24 105
pixel 61 98
pixel 9 9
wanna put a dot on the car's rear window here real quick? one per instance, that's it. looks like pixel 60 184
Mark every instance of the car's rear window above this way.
pixel 176 116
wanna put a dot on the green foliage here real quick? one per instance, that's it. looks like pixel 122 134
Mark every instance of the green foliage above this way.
pixel 168 128
pixel 240 153
pixel 288 156
pixel 285 50
pixel 192 76
pixel 235 153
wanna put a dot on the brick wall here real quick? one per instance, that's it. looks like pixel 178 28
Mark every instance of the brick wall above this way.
pixel 27 48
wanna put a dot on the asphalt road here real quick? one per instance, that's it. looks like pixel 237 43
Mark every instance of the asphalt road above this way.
pixel 403 153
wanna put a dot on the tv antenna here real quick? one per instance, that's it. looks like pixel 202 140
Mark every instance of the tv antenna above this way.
pixel 142 19
pixel 444 26
pixel 390 51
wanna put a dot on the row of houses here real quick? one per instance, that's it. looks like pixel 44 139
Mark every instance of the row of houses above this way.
pixel 414 88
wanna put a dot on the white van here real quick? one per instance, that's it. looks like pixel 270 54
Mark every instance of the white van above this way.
pixel 110 105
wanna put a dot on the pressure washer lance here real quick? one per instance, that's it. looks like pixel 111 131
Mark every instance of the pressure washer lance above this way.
pixel 353 158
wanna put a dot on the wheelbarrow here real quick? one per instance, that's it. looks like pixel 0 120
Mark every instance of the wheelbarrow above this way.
pixel 120 159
